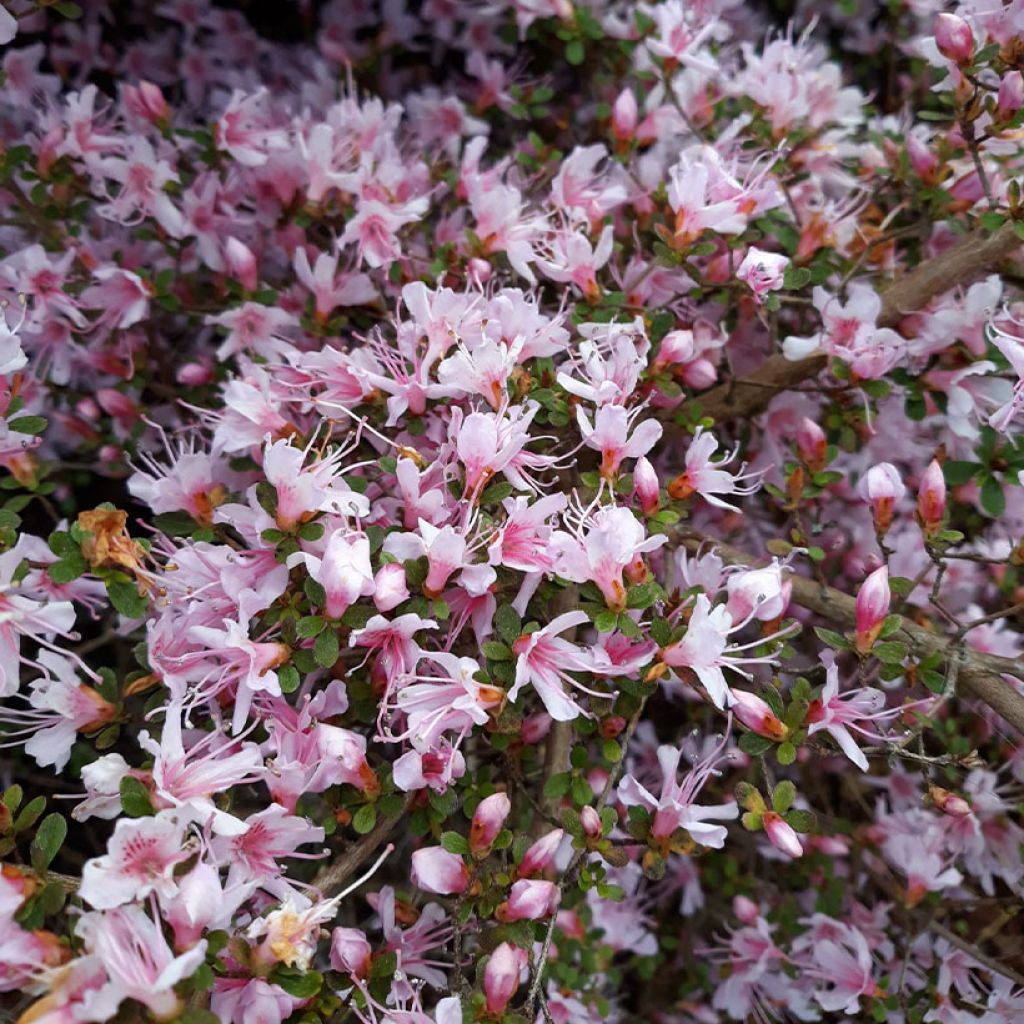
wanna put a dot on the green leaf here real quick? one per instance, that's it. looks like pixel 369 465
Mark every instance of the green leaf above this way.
pixel 453 842
pixel 558 784
pixel 993 501
pixel 326 648
pixel 175 524
pixel 299 985
pixel 783 796
pixel 508 624
pixel 802 821
pixel 574 52
pixel 754 745
pixel 51 833
pixel 135 798
pixel 606 621
pixel 493 650
pixel 124 596
pixel 309 626
pixel 957 472
pixel 890 651
pixel 311 531
pixel 288 678
pixel 643 595
pixel 28 424
pixel 29 814
pixel 68 9
pixel 786 753
pixel 833 639
pixel 364 819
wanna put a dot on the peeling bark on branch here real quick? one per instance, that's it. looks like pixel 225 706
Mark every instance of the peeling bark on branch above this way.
pixel 960 264
pixel 980 674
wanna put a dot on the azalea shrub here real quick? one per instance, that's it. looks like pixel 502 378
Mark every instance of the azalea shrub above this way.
pixel 511 512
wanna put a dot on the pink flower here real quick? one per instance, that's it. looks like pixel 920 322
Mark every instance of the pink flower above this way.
pixel 757 715
pixel 872 608
pixel 931 499
pixel 243 132
pixel 142 177
pixel 846 965
pixel 139 963
pixel 781 835
pixel 762 271
pixel 674 808
pixel 850 333
pixel 838 714
pixel 529 900
pixel 141 857
pixel 616 434
pixel 624 116
pixel 544 660
pixel 882 487
pixel 438 871
pixel 646 486
pixel 344 571
pixel 375 226
pixel 501 976
pixel 1011 95
pixel 707 478
pixel 329 288
pixel 706 651
pixel 253 327
pixel 541 855
pixel 351 952
pixel 954 38
pixel 303 490
pixel 121 295
pixel 488 819
pixel 601 547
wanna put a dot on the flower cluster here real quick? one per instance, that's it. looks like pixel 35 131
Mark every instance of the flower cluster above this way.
pixel 511 512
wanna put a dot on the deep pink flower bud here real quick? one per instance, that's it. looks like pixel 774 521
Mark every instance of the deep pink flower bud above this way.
pixel 882 487
pixel 501 976
pixel 350 952
pixel 781 835
pixel 954 38
pixel 812 444
pixel 922 159
pixel 949 803
pixel 746 910
pixel 625 116
pixel 872 608
pixel 118 405
pixel 389 586
pixel 480 270
pixel 194 374
pixel 758 716
pixel 241 263
pixel 535 728
pixel 147 102
pixel 436 870
pixel 591 822
pixel 701 373
pixel 1011 94
pixel 489 816
pixel 529 900
pixel 675 347
pixel 647 486
pixel 931 499
pixel 541 855
pixel 87 409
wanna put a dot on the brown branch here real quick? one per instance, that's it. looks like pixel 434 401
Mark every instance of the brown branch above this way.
pixel 980 674
pixel 956 266
pixel 332 877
